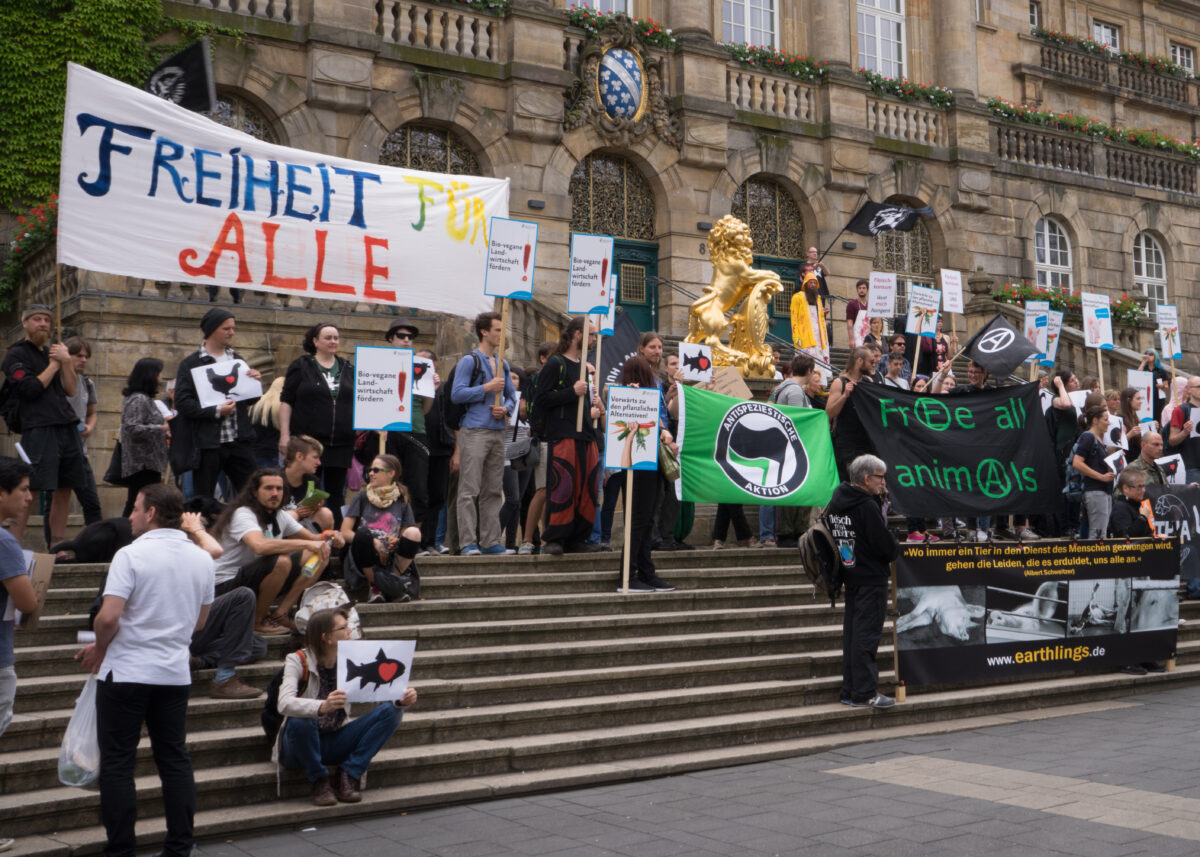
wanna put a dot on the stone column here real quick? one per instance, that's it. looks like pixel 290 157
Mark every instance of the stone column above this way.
pixel 691 20
pixel 829 33
pixel 957 63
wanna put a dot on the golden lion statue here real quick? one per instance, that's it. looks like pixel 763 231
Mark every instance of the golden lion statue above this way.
pixel 734 280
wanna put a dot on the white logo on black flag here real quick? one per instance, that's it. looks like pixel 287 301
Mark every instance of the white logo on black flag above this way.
pixel 999 347
pixel 186 79
pixel 875 217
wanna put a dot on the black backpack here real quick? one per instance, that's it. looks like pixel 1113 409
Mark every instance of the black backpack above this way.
pixel 450 412
pixel 821 560
pixel 270 718
pixel 10 407
pixel 536 415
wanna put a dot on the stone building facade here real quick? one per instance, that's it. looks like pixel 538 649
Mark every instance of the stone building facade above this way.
pixel 515 93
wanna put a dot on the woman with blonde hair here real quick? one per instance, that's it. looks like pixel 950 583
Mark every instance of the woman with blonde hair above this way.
pixel 264 414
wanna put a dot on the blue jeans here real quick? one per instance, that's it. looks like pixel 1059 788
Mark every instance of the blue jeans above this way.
pixel 766 523
pixel 353 746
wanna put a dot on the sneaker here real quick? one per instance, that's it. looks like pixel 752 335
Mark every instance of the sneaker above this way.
pixel 930 537
pixel 470 550
pixel 526 549
pixel 658 584
pixel 717 546
pixel 881 701
pixel 376 597
pixel 605 547
pixel 982 536
pixel 767 543
pixel 322 793
pixel 492 550
pixel 1028 535
pixel 583 547
pixel 683 546
pixel 1154 667
pixel 233 688
pixel 847 701
pixel 636 584
pixel 753 543
pixel 6 844
pixel 425 552
pixel 441 549
pixel 916 537
pixel 1134 669
pixel 552 549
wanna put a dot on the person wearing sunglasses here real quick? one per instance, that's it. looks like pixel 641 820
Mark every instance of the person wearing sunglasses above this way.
pixel 317 730
pixel 383 536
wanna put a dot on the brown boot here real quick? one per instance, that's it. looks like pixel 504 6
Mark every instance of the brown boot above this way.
pixel 323 793
pixel 233 688
pixel 346 787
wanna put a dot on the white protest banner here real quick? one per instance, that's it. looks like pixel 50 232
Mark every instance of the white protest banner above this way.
pixel 153 191
pixel 591 260
pixel 374 670
pixel 1097 320
pixel 1115 434
pixel 881 300
pixel 1054 321
pixel 224 381
pixel 423 373
pixel 605 324
pixel 1078 399
pixel 1116 461
pixel 695 362
pixel 1172 465
pixel 511 256
pixel 631 435
pixel 923 304
pixel 952 295
pixel 1143 382
pixel 1168 332
pixel 1037 328
pixel 382 388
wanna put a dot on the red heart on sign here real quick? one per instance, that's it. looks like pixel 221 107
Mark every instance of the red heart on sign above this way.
pixel 387 670
pixel 229 379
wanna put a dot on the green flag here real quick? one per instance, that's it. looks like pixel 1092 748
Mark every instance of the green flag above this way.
pixel 731 451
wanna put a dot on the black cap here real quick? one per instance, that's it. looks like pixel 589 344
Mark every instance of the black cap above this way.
pixel 213 319
pixel 401 324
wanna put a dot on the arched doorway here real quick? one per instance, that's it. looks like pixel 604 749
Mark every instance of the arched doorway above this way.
pixel 610 196
pixel 778 232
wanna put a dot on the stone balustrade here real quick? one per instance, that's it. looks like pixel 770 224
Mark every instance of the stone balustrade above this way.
pixel 1148 83
pixel 1042 148
pixel 1076 64
pixel 908 122
pixel 760 92
pixel 1151 169
pixel 1111 70
pixel 283 11
pixel 456 30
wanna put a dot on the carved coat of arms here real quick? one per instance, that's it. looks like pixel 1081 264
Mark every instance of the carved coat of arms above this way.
pixel 619 90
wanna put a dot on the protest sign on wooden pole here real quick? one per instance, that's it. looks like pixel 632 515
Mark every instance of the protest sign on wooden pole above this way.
pixel 631 443
pixel 587 291
pixel 499 367
pixel 627 512
pixel 583 345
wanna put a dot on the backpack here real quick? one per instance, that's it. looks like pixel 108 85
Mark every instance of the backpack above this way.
pixel 271 719
pixel 1073 485
pixel 325 595
pixel 10 407
pixel 451 412
pixel 536 415
pixel 821 560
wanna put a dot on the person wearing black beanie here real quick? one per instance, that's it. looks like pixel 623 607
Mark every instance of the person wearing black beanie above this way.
pixel 219 438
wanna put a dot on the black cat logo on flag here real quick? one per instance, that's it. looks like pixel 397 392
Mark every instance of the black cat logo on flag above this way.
pixel 224 383
pixel 760 450
pixel 383 670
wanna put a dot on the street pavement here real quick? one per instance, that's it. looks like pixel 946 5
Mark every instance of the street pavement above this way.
pixel 1116 778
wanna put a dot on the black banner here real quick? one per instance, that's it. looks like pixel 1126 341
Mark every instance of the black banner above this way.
pixel 974 612
pixel 1177 513
pixel 874 218
pixel 999 347
pixel 971 454
pixel 619 347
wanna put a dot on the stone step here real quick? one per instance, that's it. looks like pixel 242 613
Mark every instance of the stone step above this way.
pixel 482 768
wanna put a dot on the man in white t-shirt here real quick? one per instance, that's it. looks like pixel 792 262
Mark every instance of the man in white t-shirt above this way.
pixel 158 592
pixel 266 549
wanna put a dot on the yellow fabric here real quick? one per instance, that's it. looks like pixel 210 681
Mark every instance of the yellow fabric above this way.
pixel 803 335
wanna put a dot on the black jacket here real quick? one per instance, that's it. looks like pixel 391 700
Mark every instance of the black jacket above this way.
pixel 201 427
pixel 1126 520
pixel 554 398
pixel 39 406
pixel 866 544
pixel 316 413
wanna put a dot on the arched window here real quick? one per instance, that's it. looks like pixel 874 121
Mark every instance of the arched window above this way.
pixel 429 148
pixel 1150 272
pixel 909 256
pixel 1052 255
pixel 777 229
pixel 239 114
pixel 609 196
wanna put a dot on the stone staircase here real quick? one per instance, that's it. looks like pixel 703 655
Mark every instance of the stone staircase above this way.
pixel 534 674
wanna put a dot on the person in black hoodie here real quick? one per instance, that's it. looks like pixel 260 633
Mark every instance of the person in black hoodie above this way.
pixel 867 548
pixel 1128 520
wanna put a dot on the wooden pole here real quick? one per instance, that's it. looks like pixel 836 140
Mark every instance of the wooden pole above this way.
pixel 627 512
pixel 1100 368
pixel 500 349
pixel 582 374
pixel 1172 392
pixel 599 351
pixel 382 442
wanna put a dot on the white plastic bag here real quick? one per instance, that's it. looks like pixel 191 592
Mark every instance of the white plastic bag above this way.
pixel 79 758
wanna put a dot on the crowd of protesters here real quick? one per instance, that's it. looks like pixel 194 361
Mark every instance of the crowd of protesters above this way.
pixel 496 463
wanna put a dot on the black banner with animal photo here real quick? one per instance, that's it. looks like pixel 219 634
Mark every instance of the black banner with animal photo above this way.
pixel 1176 510
pixel 977 612
pixel 970 454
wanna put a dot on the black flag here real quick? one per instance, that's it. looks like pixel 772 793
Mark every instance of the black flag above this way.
pixel 186 79
pixel 999 347
pixel 618 348
pixel 875 217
